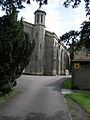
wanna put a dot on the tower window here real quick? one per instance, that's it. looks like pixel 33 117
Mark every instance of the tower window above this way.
pixel 37 18
pixel 59 47
pixel 41 18
pixel 40 46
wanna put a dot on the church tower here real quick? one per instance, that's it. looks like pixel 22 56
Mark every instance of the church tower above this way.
pixel 39 38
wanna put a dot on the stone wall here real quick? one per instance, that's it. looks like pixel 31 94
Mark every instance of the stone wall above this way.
pixel 81 74
pixel 55 55
pixel 28 28
pixel 81 69
pixel 48 57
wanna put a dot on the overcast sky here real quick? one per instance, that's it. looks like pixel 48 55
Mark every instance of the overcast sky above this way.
pixel 58 19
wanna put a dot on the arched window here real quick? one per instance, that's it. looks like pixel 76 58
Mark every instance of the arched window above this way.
pixel 41 18
pixel 40 46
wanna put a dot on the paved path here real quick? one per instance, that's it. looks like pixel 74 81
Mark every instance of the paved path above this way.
pixel 38 98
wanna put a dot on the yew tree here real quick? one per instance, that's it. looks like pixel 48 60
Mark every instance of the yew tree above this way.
pixel 15 47
pixel 15 51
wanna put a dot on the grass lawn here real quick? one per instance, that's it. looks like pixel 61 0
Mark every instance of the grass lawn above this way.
pixel 4 98
pixel 81 97
pixel 66 84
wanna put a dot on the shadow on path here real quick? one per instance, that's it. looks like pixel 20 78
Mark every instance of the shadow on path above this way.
pixel 60 115
pixel 56 84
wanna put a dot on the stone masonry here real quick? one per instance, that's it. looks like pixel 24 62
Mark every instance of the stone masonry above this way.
pixel 81 70
pixel 50 56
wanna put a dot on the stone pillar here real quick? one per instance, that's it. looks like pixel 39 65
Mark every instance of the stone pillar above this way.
pixel 62 61
pixel 58 61
pixel 54 60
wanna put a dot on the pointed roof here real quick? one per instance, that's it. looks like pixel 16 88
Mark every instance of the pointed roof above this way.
pixel 40 9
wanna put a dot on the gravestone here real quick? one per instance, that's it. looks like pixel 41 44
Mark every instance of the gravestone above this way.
pixel 81 70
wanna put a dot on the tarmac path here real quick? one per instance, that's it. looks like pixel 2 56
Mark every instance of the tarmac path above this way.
pixel 38 98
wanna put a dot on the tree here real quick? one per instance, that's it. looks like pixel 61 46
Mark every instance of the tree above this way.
pixel 15 51
pixel 75 3
pixel 18 4
pixel 15 46
pixel 76 40
pixel 10 5
pixel 85 35
pixel 71 39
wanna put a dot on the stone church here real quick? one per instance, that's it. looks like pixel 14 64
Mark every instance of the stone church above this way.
pixel 50 56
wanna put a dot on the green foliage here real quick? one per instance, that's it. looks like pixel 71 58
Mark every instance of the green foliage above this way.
pixel 4 98
pixel 76 3
pixel 71 39
pixel 76 40
pixel 66 84
pixel 15 51
pixel 83 98
pixel 85 35
pixel 10 5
